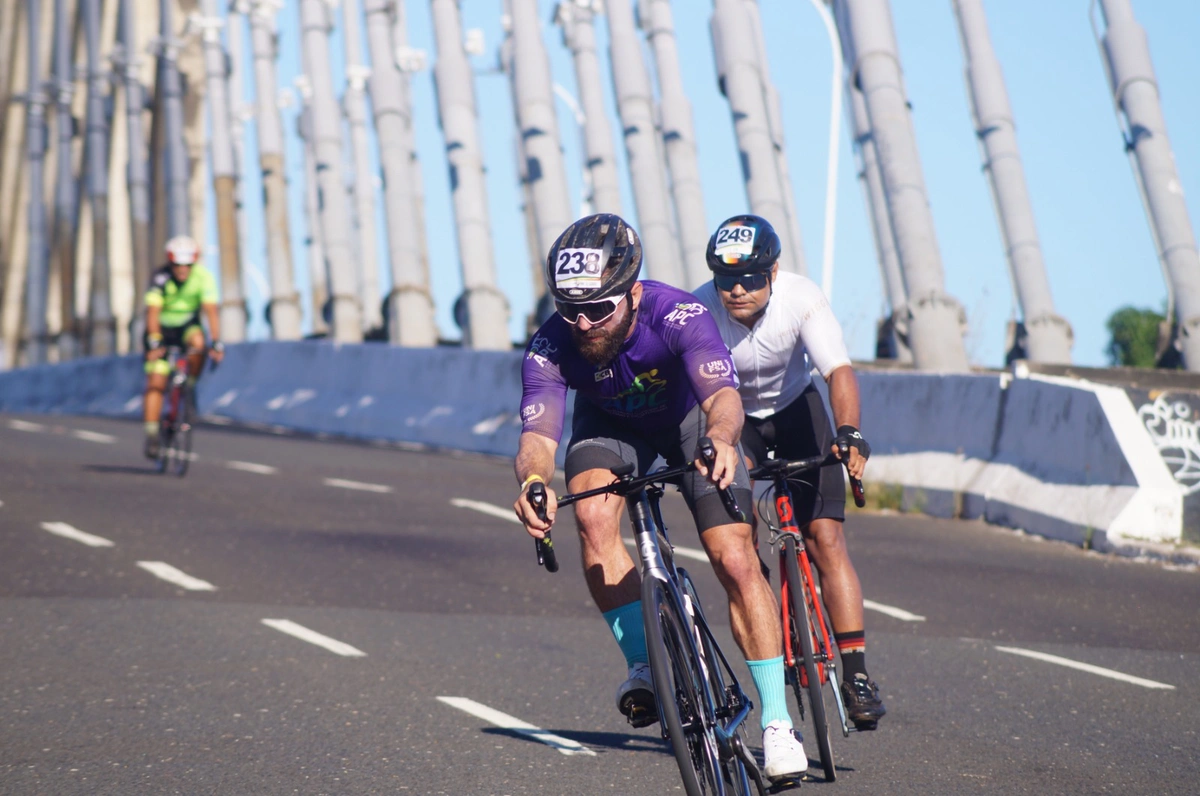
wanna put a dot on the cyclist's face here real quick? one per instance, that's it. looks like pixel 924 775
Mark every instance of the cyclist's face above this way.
pixel 746 305
pixel 600 342
pixel 181 272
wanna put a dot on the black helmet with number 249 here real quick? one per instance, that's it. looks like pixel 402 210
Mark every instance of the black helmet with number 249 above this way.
pixel 597 257
pixel 743 245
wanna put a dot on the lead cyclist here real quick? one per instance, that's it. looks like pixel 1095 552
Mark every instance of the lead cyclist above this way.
pixel 780 326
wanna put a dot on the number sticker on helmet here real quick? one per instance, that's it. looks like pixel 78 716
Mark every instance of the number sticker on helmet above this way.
pixel 734 241
pixel 578 269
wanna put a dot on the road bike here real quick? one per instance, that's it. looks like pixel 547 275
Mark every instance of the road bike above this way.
pixel 810 655
pixel 702 708
pixel 179 409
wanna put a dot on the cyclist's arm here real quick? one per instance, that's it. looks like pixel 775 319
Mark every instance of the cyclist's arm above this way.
pixel 154 321
pixel 724 417
pixel 847 408
pixel 213 316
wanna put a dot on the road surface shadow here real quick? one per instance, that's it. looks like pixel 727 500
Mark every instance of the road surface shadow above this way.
pixel 603 740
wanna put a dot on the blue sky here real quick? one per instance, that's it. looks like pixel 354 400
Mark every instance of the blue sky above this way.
pixel 1093 230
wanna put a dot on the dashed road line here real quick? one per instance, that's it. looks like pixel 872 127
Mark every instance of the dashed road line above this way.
pixel 170 574
pixel 93 436
pixel 313 637
pixel 892 611
pixel 1086 667
pixel 25 425
pixel 342 483
pixel 564 745
pixel 251 467
pixel 486 508
pixel 70 532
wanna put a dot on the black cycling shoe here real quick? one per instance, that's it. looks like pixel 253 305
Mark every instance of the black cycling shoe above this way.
pixel 635 697
pixel 152 446
pixel 863 705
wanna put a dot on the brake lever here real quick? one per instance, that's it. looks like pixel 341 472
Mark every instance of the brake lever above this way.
pixel 544 546
pixel 708 452
pixel 856 486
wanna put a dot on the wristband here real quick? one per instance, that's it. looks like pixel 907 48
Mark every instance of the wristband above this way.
pixel 535 477
pixel 217 345
pixel 154 340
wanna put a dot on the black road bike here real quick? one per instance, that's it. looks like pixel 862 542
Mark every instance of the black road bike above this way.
pixel 701 706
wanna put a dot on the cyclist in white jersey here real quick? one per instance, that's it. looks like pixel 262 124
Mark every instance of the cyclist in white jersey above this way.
pixel 780 327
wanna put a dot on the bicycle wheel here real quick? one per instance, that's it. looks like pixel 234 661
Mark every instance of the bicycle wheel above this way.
pixel 732 767
pixel 179 445
pixel 684 706
pixel 799 592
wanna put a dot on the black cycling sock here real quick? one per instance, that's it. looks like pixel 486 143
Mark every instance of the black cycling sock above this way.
pixel 853 648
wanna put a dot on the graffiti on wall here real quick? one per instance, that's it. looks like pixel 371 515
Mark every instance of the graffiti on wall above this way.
pixel 1174 425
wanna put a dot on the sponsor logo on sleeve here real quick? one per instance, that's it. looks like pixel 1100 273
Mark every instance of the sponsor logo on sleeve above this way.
pixel 541 349
pixel 717 369
pixel 161 279
pixel 681 313
pixel 532 412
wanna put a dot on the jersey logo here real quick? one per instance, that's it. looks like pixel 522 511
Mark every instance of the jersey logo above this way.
pixel 601 375
pixel 532 412
pixel 682 313
pixel 717 369
pixel 161 279
pixel 540 350
pixel 646 392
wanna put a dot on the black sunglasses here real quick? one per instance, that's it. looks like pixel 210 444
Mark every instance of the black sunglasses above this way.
pixel 595 311
pixel 749 282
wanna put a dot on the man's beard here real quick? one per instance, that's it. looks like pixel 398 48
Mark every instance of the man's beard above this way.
pixel 600 346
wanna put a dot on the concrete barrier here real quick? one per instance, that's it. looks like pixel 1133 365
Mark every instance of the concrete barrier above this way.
pixel 1063 458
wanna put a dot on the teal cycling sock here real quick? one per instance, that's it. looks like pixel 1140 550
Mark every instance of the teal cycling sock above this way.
pixel 768 679
pixel 626 625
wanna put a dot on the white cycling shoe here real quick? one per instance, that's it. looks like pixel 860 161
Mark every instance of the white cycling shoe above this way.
pixel 783 754
pixel 635 697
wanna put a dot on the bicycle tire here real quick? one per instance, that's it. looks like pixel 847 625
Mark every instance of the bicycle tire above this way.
pixel 684 708
pixel 733 768
pixel 798 594
pixel 183 433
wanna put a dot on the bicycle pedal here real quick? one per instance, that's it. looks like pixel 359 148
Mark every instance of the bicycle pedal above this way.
pixel 787 783
pixel 639 711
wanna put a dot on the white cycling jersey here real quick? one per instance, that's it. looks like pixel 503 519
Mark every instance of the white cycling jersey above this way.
pixel 774 359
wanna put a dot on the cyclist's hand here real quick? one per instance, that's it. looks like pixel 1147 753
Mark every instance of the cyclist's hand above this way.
pixel 528 515
pixel 724 464
pixel 857 450
pixel 155 353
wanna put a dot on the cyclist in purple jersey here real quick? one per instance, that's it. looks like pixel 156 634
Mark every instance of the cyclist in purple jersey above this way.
pixel 652 376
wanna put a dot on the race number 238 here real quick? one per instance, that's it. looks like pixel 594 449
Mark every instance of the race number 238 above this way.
pixel 572 262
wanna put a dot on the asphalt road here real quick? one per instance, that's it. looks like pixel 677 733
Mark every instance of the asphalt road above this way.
pixel 430 613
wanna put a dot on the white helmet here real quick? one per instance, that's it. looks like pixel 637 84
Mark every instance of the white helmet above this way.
pixel 182 250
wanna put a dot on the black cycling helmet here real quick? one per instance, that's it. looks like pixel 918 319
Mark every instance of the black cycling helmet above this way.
pixel 597 257
pixel 743 244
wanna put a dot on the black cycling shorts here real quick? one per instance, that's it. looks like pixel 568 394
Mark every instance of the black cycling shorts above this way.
pixel 798 431
pixel 600 441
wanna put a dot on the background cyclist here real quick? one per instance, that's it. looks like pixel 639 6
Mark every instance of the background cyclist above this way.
pixel 780 326
pixel 651 376
pixel 179 292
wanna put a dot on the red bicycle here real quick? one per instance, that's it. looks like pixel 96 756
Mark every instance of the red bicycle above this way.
pixel 810 656
pixel 175 426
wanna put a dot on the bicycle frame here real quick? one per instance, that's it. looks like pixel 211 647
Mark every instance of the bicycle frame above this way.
pixel 657 562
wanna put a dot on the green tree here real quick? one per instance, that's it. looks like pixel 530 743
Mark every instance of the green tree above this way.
pixel 1134 337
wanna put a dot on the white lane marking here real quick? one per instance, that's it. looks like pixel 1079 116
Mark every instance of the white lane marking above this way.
pixel 342 483
pixel 1086 667
pixel 24 425
pixel 564 745
pixel 93 436
pixel 71 532
pixel 892 611
pixel 168 573
pixel 251 467
pixel 313 637
pixel 485 508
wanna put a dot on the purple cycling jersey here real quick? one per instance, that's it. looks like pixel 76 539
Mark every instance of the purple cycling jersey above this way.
pixel 674 359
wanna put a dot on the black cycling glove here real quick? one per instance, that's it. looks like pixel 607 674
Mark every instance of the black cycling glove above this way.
pixel 851 437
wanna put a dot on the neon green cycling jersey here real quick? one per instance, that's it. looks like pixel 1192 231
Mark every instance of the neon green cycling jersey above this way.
pixel 181 302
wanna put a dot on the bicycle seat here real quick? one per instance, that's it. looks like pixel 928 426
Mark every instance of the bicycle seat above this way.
pixel 623 470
